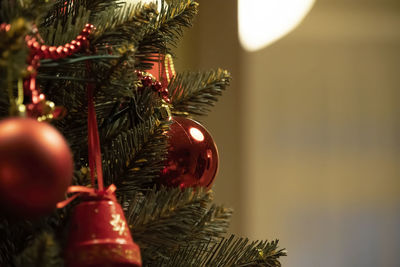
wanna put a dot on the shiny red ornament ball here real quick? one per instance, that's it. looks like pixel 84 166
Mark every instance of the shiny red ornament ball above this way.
pixel 192 155
pixel 36 167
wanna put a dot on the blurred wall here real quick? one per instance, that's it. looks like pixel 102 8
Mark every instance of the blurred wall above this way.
pixel 309 131
pixel 213 43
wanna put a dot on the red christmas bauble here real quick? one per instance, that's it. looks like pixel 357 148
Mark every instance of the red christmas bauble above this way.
pixel 192 155
pixel 35 167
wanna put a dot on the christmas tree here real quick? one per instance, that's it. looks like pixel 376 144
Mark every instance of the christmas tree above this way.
pixel 123 165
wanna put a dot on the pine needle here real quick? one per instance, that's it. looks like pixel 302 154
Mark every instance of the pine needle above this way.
pixel 165 219
pixel 195 93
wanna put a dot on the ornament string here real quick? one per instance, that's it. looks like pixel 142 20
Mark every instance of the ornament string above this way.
pixel 93 138
pixel 95 164
pixel 94 154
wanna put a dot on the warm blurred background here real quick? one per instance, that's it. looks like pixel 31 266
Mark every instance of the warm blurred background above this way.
pixel 309 131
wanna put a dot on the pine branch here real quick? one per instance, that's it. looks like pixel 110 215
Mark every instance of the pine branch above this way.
pixel 166 219
pixel 214 223
pixel 238 252
pixel 116 119
pixel 14 236
pixel 166 30
pixel 43 252
pixel 124 24
pixel 65 29
pixel 147 164
pixel 63 12
pixel 115 78
pixel 228 252
pixel 136 156
pixel 195 93
pixel 175 17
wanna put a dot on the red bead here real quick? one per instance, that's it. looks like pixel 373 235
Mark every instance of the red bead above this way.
pixel 30 69
pixel 45 51
pixel 35 167
pixel 85 42
pixel 67 49
pixel 36 45
pixel 59 50
pixel 139 74
pixel 85 32
pixel 4 26
pixel 53 52
pixel 156 86
pixel 164 93
pixel 29 43
pixel 35 98
pixel 192 155
pixel 147 81
pixel 72 48
pixel 35 62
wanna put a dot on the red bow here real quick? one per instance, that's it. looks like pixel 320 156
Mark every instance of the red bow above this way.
pixel 79 191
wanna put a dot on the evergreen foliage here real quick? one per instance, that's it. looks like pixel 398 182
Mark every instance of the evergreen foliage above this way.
pixel 173 227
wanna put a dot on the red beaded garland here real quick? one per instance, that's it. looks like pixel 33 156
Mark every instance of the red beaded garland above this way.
pixel 62 51
pixel 156 86
pixel 40 51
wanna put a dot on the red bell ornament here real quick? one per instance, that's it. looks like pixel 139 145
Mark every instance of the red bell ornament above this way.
pixel 99 235
pixel 192 156
pixel 35 167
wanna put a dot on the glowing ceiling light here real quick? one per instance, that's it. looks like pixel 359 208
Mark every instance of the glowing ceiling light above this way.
pixel 262 22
